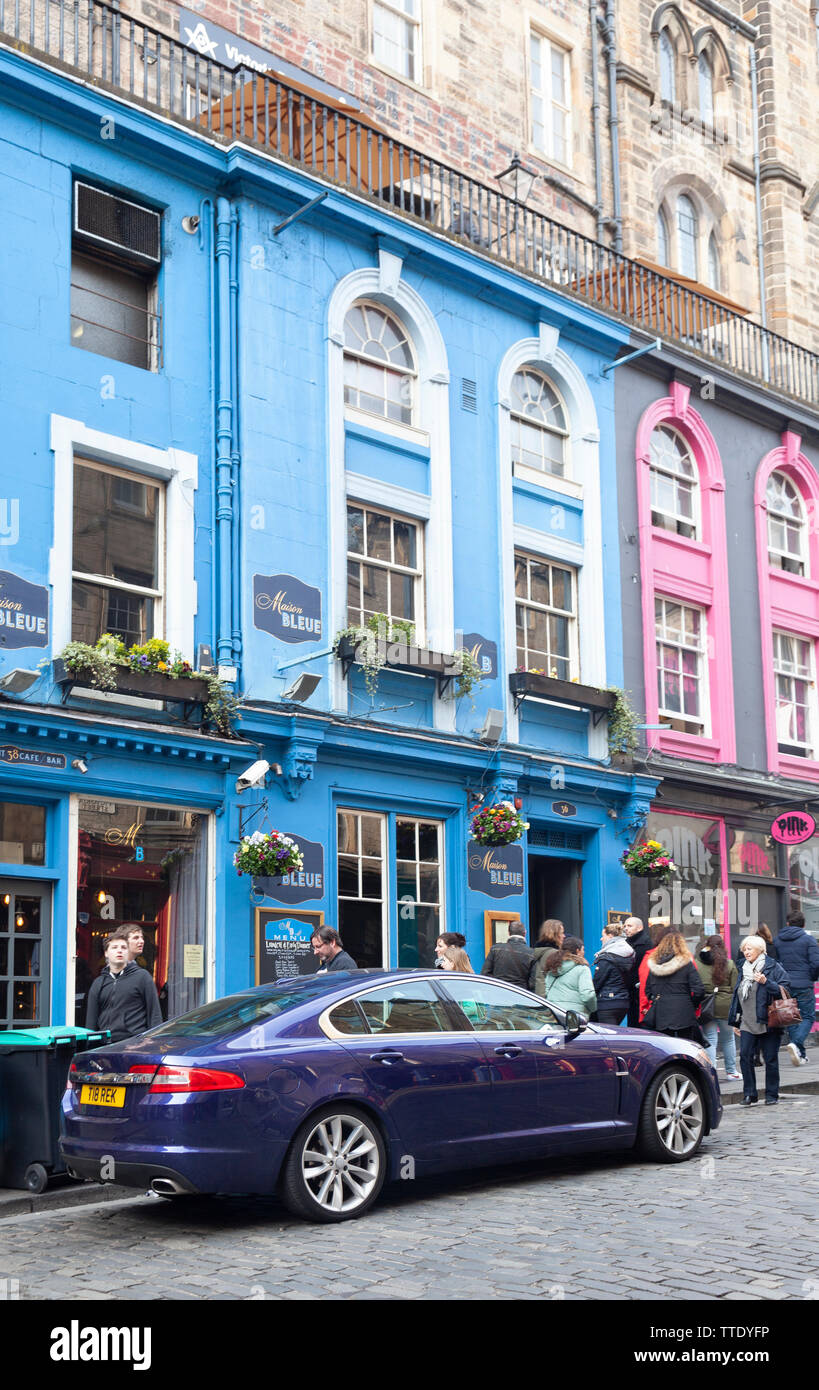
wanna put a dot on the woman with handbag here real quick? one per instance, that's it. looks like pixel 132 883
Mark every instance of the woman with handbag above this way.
pixel 719 977
pixel 755 1007
pixel 674 989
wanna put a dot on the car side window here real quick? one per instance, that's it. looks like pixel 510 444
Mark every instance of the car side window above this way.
pixel 491 1008
pixel 405 1008
pixel 346 1017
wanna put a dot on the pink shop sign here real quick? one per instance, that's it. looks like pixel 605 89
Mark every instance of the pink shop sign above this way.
pixel 793 827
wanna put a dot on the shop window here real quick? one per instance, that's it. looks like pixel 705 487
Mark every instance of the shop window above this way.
pixel 24 926
pixel 141 869
pixel 546 617
pixel 786 525
pixel 695 845
pixel 384 567
pixel 22 833
pixel 795 694
pixel 362 888
pixel 118 550
pixel 681 683
pixel 674 484
pixel 397 37
pixel 550 86
pixel 115 260
pixel 419 889
pixel 379 368
pixel 539 430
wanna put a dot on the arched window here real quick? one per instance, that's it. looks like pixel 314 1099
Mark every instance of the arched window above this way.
pixel 714 276
pixel 668 79
pixel 379 369
pixel 786 525
pixel 674 484
pixel 538 420
pixel 662 238
pixel 687 234
pixel 705 79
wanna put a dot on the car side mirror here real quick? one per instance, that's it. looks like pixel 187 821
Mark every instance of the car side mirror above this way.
pixel 575 1024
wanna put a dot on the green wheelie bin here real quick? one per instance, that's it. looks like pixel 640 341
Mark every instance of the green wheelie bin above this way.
pixel 34 1066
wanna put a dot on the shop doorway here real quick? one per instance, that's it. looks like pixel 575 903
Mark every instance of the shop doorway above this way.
pixel 25 953
pixel 555 890
pixel 755 902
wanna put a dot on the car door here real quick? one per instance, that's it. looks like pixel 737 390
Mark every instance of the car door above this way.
pixel 423 1067
pixel 547 1086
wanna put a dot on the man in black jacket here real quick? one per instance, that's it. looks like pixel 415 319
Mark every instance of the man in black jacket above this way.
pixel 326 944
pixel 123 997
pixel 512 960
pixel 639 939
pixel 799 955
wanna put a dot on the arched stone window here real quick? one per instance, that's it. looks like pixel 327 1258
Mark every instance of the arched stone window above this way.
pixel 663 245
pixel 688 230
pixel 705 83
pixel 668 67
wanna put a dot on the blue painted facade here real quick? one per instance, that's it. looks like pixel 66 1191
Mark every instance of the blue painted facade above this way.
pixel 245 419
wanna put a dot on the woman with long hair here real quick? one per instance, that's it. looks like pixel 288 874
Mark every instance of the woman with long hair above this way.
pixel 454 958
pixel 549 938
pixel 567 980
pixel 448 938
pixel 674 989
pixel 719 977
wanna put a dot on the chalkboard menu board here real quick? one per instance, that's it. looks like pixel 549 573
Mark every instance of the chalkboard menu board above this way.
pixel 283 944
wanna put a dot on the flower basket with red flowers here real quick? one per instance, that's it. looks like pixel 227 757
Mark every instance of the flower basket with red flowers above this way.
pixel 498 825
pixel 648 860
pixel 267 855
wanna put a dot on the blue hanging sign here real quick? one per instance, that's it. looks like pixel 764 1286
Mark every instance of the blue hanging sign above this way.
pixel 496 870
pixel 286 608
pixel 31 757
pixel 306 885
pixel 484 652
pixel 23 613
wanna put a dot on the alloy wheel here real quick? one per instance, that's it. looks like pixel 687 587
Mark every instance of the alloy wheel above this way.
pixel 678 1113
pixel 340 1163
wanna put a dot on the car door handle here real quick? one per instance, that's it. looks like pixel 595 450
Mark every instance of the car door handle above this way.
pixel 508 1050
pixel 388 1056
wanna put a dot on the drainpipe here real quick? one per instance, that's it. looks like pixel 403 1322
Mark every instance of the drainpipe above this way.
pixel 235 455
pixel 207 242
pixel 760 256
pixel 598 177
pixel 224 434
pixel 614 119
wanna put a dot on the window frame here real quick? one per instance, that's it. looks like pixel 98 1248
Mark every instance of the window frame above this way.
pixel 675 717
pixel 440 864
pixel 574 622
pixel 654 469
pixel 667 50
pixel 530 472
pixel 690 238
pixel 102 581
pixel 381 816
pixel 790 749
pixel 418 574
pixel 546 148
pixel 803 557
pixel 706 88
pixel 505 988
pixel 417 75
pixel 355 355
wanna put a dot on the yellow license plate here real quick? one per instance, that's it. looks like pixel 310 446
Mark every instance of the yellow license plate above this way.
pixel 103 1095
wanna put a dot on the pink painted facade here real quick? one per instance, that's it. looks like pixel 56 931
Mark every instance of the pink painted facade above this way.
pixel 787 602
pixel 689 571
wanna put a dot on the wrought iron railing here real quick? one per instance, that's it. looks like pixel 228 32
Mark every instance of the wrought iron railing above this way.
pixel 330 140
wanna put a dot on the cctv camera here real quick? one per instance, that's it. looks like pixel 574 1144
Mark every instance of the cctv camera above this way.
pixel 79 764
pixel 253 776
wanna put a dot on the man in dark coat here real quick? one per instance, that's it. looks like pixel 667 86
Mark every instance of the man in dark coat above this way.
pixel 326 944
pixel 799 956
pixel 639 939
pixel 123 997
pixel 512 961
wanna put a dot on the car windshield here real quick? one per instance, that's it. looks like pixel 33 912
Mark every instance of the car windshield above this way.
pixel 231 1015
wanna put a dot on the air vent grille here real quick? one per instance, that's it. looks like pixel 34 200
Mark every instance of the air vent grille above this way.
pixel 117 223
pixel 469 395
pixel 555 839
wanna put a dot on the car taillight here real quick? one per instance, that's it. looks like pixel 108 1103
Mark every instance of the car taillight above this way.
pixel 73 1073
pixel 189 1078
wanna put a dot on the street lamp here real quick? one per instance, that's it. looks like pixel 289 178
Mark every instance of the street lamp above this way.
pixel 517 181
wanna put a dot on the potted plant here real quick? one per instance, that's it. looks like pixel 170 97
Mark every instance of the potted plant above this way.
pixel 368 646
pixel 498 825
pixel 267 854
pixel 648 860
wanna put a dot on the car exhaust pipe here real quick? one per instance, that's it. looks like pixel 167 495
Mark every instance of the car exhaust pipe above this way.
pixel 164 1187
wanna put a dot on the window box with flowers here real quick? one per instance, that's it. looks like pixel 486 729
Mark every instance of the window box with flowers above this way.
pixel 389 644
pixel 539 685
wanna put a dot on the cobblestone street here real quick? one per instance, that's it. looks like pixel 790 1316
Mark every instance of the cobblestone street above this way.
pixel 607 1227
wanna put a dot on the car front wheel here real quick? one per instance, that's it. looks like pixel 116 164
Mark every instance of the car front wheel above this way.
pixel 336 1166
pixel 672 1122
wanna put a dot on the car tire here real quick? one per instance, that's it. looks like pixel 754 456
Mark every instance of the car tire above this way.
pixel 672 1121
pixel 319 1181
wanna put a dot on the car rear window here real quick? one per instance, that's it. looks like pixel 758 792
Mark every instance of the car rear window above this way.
pixel 226 1016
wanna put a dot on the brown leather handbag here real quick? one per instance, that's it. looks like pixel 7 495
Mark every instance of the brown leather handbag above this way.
pixel 783 1012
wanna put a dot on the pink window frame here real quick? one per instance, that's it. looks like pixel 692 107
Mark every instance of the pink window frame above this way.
pixel 695 572
pixel 801 616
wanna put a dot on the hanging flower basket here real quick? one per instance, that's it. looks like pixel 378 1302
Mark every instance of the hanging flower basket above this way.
pixel 648 860
pixel 267 855
pixel 498 825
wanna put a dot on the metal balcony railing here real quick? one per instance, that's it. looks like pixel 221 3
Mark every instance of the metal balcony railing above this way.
pixel 290 121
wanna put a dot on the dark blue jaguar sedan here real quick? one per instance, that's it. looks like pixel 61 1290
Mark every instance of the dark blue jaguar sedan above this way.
pixel 321 1088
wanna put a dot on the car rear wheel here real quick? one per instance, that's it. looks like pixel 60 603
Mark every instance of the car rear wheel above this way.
pixel 672 1123
pixel 336 1166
